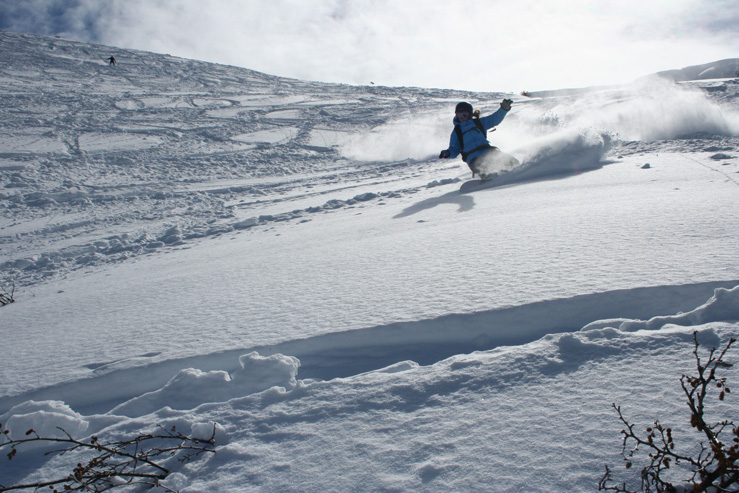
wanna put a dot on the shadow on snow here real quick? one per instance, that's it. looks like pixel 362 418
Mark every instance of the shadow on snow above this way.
pixel 343 354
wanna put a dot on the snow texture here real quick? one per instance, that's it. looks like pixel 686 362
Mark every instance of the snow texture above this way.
pixel 287 262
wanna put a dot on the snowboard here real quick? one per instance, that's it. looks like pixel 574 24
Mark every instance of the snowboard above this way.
pixel 472 185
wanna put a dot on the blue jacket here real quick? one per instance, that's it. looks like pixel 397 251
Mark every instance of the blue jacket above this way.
pixel 472 136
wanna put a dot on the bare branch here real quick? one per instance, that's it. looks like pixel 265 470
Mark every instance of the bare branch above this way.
pixel 132 461
pixel 5 297
pixel 715 464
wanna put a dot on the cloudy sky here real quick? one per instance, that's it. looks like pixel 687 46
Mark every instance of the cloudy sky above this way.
pixel 486 45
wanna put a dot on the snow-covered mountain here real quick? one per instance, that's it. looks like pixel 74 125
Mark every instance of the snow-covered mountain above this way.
pixel 721 69
pixel 195 244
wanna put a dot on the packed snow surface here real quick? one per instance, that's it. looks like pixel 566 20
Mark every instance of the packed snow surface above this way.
pixel 288 263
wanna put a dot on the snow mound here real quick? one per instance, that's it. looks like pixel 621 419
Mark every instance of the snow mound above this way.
pixel 396 411
pixel 723 306
pixel 566 153
pixel 45 418
pixel 192 387
pixel 714 70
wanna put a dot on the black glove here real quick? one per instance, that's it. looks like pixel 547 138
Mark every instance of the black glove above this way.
pixel 444 154
pixel 506 104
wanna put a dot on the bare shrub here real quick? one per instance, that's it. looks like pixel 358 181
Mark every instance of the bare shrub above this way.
pixel 136 461
pixel 6 297
pixel 712 464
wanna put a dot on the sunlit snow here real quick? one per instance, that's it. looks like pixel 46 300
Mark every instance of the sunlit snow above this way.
pixel 203 245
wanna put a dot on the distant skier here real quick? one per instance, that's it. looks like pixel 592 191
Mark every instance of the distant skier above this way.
pixel 111 59
pixel 469 138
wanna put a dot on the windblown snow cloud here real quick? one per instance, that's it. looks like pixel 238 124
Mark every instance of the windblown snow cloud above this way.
pixel 525 45
pixel 625 113
pixel 409 137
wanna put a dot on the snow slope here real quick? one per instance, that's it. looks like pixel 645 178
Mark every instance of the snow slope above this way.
pixel 194 244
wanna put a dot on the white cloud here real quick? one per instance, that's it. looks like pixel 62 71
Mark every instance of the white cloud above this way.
pixel 485 45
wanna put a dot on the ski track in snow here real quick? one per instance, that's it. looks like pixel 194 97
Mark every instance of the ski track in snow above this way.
pixel 101 166
pixel 125 169
pixel 425 342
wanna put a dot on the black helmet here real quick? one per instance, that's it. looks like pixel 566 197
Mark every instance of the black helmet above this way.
pixel 464 106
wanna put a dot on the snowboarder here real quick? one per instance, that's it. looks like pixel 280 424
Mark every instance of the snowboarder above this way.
pixel 110 59
pixel 469 138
